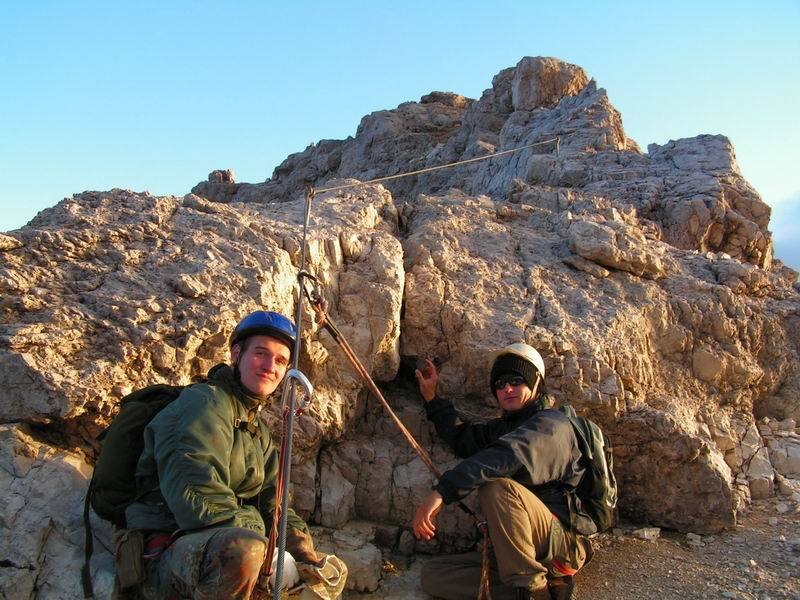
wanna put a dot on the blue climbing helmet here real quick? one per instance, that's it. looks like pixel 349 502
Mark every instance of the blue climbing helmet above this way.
pixel 265 322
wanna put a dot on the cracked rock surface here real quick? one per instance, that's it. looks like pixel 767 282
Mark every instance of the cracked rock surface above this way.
pixel 646 280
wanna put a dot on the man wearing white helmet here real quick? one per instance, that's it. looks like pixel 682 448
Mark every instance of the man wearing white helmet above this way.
pixel 520 463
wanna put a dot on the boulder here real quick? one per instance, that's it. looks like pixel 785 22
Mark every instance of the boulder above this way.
pixel 542 82
pixel 353 544
pixel 220 187
pixel 784 453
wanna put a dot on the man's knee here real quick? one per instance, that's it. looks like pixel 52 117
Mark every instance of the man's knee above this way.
pixel 427 577
pixel 215 562
pixel 245 550
pixel 489 493
pixel 242 549
pixel 451 576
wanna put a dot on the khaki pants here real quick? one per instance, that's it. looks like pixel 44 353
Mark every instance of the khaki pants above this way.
pixel 528 543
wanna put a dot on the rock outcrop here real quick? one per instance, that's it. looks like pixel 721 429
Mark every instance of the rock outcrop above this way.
pixel 645 280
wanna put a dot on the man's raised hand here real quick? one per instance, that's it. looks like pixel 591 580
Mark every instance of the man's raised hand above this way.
pixel 427 378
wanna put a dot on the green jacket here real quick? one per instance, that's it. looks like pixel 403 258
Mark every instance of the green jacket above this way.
pixel 197 470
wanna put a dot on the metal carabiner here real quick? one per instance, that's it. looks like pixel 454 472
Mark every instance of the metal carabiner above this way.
pixel 314 295
pixel 308 388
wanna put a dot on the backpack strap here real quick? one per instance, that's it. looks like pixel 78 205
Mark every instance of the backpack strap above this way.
pixel 88 547
pixel 241 424
pixel 248 426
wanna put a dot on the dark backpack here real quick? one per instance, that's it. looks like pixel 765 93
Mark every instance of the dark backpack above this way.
pixel 597 489
pixel 113 484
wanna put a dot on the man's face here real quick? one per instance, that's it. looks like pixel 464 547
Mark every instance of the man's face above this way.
pixel 262 365
pixel 512 392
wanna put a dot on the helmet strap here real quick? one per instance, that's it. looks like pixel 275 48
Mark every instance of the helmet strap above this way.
pixel 535 390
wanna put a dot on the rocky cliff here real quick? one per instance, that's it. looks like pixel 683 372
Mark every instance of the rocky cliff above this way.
pixel 645 279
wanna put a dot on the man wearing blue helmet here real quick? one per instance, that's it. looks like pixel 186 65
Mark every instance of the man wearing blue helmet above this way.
pixel 207 476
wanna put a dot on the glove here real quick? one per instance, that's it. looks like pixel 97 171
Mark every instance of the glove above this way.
pixel 301 546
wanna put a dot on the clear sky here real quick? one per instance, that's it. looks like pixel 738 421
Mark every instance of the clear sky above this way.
pixel 155 95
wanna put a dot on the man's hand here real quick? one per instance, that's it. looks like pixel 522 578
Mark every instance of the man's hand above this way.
pixel 423 523
pixel 301 546
pixel 427 378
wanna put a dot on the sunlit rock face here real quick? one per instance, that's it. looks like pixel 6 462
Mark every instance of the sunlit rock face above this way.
pixel 645 280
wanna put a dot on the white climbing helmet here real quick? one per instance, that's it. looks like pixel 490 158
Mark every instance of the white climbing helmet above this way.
pixel 523 351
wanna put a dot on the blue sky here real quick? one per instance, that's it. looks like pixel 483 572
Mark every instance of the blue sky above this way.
pixel 155 95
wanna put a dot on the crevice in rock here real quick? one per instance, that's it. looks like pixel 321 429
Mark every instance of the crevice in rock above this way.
pixel 405 211
pixel 71 435
pixel 10 564
pixel 317 512
pixel 40 560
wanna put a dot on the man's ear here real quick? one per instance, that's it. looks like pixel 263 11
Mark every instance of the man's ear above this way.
pixel 235 352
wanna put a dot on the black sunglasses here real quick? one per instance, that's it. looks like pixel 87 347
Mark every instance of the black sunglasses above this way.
pixel 513 380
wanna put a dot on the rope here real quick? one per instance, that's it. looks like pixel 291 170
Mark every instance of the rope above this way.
pixel 345 186
pixel 324 321
pixel 262 589
pixel 288 405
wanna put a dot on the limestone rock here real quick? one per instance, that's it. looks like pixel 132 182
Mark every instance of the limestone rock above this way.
pixel 788 486
pixel 149 288
pixel 220 187
pixel 587 266
pixel 338 478
pixel 353 544
pixel 706 365
pixel 785 402
pixel 446 98
pixel 220 176
pixel 41 518
pixel 760 474
pixel 647 533
pixel 8 242
pixel 784 452
pixel 615 248
pixel 713 207
pixel 645 280
pixel 542 82
pixel 691 189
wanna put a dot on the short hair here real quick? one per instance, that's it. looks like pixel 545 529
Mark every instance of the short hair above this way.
pixel 244 344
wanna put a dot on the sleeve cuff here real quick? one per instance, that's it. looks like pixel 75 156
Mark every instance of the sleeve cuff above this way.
pixel 448 491
pixel 434 405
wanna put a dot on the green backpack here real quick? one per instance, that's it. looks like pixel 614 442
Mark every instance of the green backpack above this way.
pixel 113 484
pixel 597 489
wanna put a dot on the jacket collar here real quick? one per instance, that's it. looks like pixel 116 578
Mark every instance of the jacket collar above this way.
pixel 227 378
pixel 534 406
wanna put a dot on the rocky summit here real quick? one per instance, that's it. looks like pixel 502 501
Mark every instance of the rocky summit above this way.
pixel 646 280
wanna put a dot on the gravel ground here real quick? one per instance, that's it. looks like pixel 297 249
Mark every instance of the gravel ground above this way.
pixel 759 560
